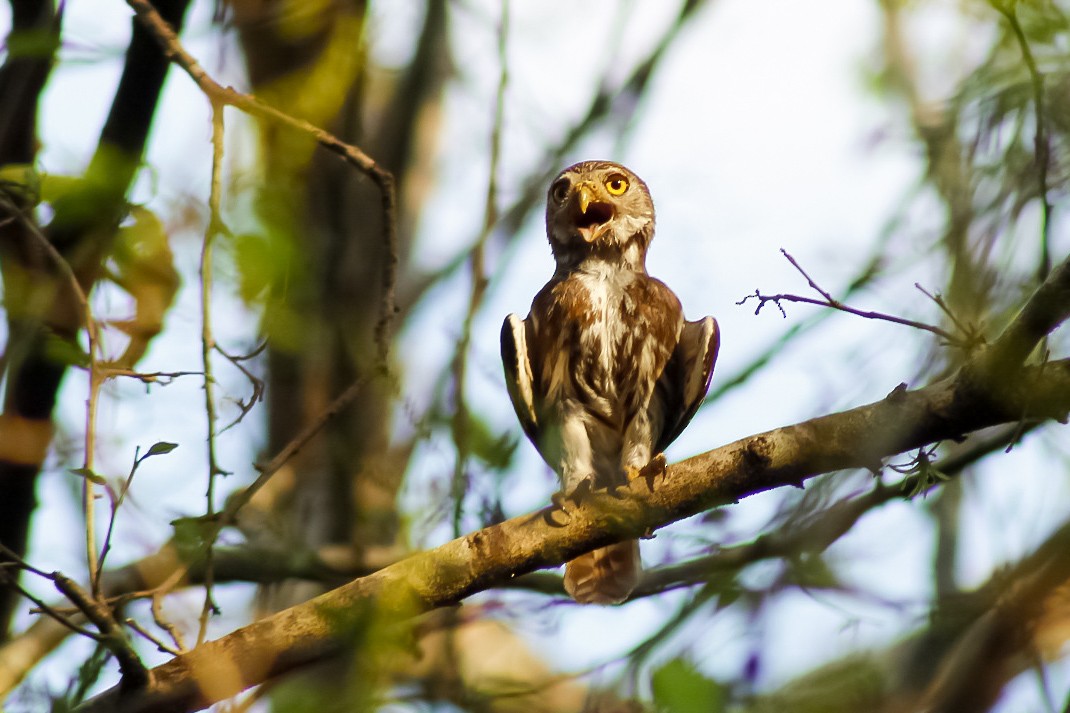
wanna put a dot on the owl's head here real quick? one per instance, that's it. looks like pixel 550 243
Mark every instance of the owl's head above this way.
pixel 599 208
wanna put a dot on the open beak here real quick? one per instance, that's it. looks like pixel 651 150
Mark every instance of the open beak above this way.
pixel 592 215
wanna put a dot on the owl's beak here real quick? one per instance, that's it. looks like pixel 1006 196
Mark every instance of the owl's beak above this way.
pixel 585 198
pixel 592 213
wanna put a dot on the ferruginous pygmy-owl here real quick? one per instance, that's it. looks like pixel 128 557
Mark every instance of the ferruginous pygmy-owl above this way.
pixel 604 373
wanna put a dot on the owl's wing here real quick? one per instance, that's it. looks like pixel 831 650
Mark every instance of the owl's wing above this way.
pixel 519 379
pixel 686 378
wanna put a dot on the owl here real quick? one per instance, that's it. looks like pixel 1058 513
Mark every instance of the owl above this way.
pixel 605 372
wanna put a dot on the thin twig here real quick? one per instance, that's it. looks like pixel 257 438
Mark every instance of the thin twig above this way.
pixel 817 288
pixel 971 333
pixel 92 339
pixel 116 501
pixel 109 634
pixel 156 641
pixel 461 419
pixel 828 300
pixel 163 378
pixel 259 387
pixel 237 501
pixel 57 259
pixel 215 222
pixel 88 485
pixel 156 607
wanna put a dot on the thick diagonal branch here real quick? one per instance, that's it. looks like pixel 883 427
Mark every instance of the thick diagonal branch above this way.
pixel 860 437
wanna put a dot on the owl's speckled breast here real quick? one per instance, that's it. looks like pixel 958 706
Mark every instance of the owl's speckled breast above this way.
pixel 609 333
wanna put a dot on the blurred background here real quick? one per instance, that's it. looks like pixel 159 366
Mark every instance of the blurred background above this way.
pixel 883 145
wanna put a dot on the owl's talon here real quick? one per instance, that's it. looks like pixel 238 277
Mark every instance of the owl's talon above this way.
pixel 648 472
pixel 557 504
pixel 580 492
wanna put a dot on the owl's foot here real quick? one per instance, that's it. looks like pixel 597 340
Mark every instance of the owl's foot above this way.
pixel 576 497
pixel 581 491
pixel 648 472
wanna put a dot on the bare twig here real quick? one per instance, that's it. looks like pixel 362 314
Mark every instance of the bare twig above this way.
pixel 116 501
pixel 163 378
pixel 57 259
pixel 461 419
pixel 156 641
pixel 259 387
pixel 237 501
pixel 92 339
pixel 88 485
pixel 156 607
pixel 215 222
pixel 828 300
pixel 970 332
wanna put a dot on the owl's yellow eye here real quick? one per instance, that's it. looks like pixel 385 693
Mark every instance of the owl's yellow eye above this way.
pixel 616 184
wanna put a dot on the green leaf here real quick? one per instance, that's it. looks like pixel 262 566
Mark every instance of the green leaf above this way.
pixel 89 475
pixel 88 674
pixel 679 687
pixel 728 594
pixel 193 535
pixel 64 351
pixel 159 448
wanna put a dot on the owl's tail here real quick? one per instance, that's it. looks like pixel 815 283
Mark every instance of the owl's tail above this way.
pixel 606 575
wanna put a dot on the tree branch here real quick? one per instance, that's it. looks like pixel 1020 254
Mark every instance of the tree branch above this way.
pixel 860 437
pixel 1048 307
